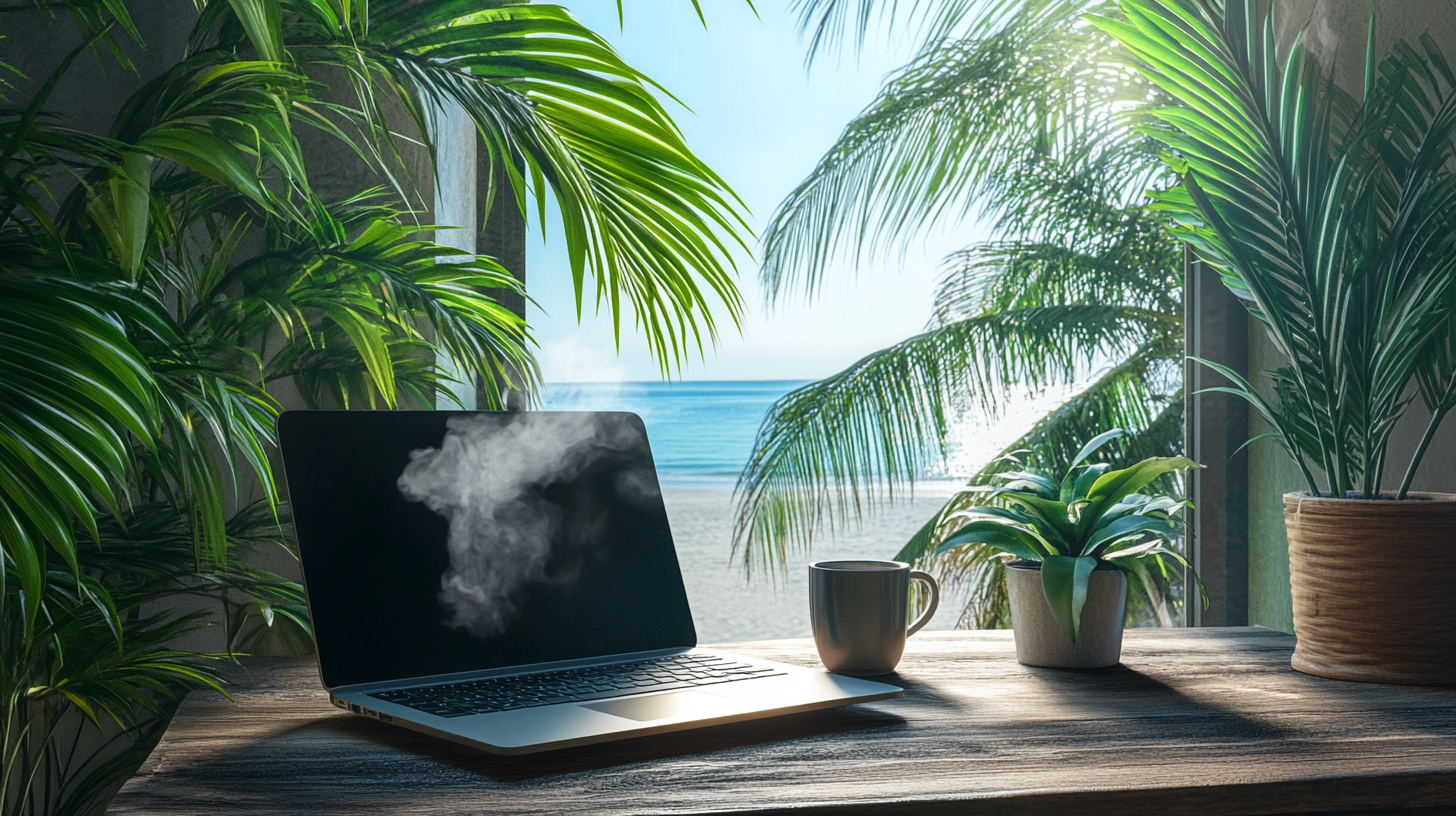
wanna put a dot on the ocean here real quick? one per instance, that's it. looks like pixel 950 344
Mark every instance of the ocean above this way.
pixel 701 435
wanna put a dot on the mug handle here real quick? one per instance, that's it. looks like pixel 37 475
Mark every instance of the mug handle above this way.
pixel 917 575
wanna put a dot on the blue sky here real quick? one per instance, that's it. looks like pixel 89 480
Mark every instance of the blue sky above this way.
pixel 761 121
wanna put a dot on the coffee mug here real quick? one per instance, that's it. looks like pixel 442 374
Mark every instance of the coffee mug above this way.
pixel 858 611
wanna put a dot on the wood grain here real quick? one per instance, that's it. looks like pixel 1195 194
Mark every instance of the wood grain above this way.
pixel 1207 721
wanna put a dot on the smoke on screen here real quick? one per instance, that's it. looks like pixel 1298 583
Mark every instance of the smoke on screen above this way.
pixel 485 479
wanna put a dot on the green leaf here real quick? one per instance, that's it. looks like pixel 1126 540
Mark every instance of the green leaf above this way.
pixel 1021 480
pixel 566 120
pixel 1003 537
pixel 263 20
pixel 1050 520
pixel 122 210
pixel 1083 484
pixel 1112 487
pixel 1094 445
pixel 1064 581
pixel 74 391
pixel 369 341
pixel 1106 535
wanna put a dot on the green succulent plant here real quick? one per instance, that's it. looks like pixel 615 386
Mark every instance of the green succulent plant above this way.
pixel 1092 517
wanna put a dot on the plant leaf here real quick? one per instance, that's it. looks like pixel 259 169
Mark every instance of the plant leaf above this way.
pixel 1064 582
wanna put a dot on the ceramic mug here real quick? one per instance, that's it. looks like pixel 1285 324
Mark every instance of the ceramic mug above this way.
pixel 858 610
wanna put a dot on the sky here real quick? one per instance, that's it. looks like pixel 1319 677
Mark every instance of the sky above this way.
pixel 761 121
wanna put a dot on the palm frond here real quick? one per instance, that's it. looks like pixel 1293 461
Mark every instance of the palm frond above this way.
pixel 108 666
pixel 643 216
pixel 1141 392
pixel 954 129
pixel 74 393
pixel 222 118
pixel 375 288
pixel 826 450
pixel 1122 256
pixel 828 23
pixel 151 546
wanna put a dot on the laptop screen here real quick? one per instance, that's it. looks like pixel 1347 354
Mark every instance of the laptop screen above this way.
pixel 436 542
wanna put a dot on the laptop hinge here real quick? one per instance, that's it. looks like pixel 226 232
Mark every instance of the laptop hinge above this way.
pixel 529 668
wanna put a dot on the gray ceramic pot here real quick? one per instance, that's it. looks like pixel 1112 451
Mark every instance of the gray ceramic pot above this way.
pixel 1039 640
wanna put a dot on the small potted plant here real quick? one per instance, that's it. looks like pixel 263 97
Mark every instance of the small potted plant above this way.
pixel 1068 588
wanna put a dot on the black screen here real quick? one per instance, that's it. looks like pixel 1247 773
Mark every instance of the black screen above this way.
pixel 446 541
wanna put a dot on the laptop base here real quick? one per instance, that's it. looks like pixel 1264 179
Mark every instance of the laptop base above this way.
pixel 549 728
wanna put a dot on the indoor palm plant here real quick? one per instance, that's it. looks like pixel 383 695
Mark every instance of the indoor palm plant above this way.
pixel 1333 217
pixel 1075 538
pixel 164 282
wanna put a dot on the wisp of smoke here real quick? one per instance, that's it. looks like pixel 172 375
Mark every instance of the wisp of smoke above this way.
pixel 482 478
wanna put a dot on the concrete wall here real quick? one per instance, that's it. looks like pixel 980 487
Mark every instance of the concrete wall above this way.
pixel 1336 31
pixel 89 95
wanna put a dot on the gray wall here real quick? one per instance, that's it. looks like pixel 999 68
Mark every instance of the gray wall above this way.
pixel 1336 31
pixel 89 95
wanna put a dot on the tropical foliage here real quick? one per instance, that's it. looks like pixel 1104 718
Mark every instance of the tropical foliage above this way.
pixel 1333 220
pixel 165 284
pixel 1092 517
pixel 1010 112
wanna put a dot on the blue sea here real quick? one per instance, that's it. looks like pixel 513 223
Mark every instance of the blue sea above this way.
pixel 700 432
pixel 701 435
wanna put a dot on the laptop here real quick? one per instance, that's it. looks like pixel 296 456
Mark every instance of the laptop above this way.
pixel 508 581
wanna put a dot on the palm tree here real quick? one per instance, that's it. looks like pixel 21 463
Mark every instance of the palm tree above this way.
pixel 162 284
pixel 1010 111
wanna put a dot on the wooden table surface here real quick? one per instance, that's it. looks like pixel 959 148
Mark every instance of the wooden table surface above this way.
pixel 1205 721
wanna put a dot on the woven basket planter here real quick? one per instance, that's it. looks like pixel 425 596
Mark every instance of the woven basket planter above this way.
pixel 1374 586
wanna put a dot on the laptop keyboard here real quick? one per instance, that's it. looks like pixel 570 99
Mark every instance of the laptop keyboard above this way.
pixel 494 694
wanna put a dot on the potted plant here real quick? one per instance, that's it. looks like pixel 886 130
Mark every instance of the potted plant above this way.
pixel 1074 538
pixel 1334 219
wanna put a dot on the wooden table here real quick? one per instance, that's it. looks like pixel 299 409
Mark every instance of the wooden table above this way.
pixel 1199 721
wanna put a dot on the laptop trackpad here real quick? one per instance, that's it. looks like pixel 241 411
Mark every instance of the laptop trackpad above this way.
pixel 692 704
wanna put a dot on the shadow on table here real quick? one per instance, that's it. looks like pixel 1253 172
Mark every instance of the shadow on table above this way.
pixel 919 692
pixel 786 729
pixel 1385 708
pixel 1137 702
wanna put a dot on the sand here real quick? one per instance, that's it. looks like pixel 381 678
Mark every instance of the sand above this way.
pixel 727 606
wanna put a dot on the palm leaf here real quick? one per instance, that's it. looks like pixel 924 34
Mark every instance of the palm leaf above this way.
pixel 823 449
pixel 642 215
pixel 1332 220
pixel 74 393
pixel 829 22
pixel 963 124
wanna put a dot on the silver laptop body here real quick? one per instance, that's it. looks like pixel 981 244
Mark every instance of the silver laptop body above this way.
pixel 507 581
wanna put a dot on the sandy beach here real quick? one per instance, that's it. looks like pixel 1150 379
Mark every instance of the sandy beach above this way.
pixel 729 607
